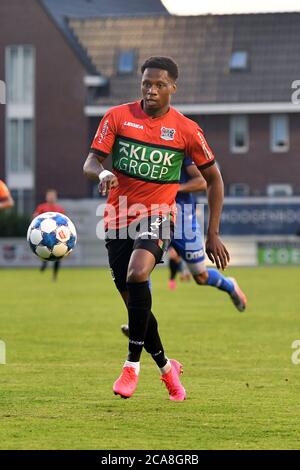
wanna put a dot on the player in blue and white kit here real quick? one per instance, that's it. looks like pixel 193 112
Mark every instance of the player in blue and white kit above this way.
pixel 187 242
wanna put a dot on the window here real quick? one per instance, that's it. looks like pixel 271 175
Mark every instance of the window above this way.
pixel 279 133
pixel 19 74
pixel 279 190
pixel 19 145
pixel 239 134
pixel 2 92
pixel 238 60
pixel 20 67
pixel 24 201
pixel 12 154
pixel 239 189
pixel 126 62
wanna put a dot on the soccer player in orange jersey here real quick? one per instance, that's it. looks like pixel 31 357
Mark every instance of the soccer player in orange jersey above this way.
pixel 148 140
pixel 50 205
pixel 6 201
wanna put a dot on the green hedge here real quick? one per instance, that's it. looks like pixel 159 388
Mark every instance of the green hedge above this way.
pixel 12 224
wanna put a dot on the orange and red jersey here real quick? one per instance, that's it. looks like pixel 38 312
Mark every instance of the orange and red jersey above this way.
pixel 46 207
pixel 4 191
pixel 147 155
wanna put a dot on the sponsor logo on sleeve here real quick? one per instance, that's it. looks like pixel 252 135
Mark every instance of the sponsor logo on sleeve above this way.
pixel 207 152
pixel 103 132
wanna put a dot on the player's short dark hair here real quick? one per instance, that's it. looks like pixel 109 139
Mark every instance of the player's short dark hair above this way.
pixel 164 63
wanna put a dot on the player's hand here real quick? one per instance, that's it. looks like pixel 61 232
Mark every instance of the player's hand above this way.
pixel 107 181
pixel 216 251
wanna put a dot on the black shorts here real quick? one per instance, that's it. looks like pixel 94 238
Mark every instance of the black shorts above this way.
pixel 151 234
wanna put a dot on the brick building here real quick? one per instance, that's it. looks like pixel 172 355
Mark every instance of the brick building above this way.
pixel 236 80
pixel 65 63
pixel 44 131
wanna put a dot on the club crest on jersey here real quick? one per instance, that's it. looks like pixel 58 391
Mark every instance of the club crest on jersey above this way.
pixel 167 134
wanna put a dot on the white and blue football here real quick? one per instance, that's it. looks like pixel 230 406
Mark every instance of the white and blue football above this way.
pixel 51 236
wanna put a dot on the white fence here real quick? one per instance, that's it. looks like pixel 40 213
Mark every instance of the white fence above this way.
pixel 90 250
pixel 244 251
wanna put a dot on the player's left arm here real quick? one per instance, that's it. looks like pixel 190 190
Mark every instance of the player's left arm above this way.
pixel 202 155
pixel 215 249
pixel 196 181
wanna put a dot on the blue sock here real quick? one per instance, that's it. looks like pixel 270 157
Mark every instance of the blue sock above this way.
pixel 216 279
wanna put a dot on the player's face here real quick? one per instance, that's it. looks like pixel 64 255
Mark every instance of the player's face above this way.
pixel 157 88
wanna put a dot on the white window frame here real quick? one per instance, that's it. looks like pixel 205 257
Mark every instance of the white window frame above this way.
pixel 20 48
pixel 2 92
pixel 20 153
pixel 235 120
pixel 20 110
pixel 273 188
pixel 274 118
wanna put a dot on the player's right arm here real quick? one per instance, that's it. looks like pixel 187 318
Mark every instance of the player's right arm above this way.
pixel 101 148
pixel 94 170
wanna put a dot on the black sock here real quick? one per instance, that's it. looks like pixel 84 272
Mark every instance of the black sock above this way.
pixel 55 269
pixel 43 266
pixel 139 307
pixel 153 343
pixel 174 268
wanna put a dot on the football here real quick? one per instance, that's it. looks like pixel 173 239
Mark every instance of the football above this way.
pixel 51 236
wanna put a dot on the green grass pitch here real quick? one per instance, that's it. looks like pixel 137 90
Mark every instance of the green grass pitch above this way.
pixel 64 351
